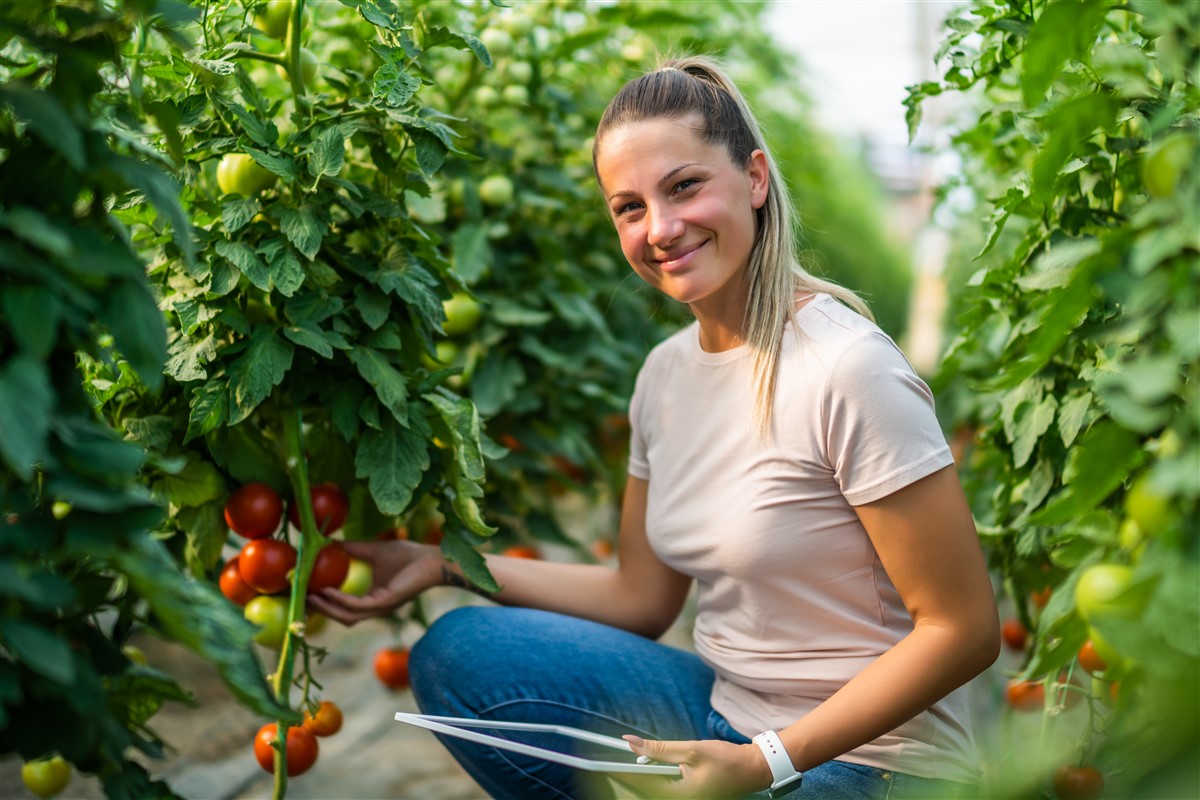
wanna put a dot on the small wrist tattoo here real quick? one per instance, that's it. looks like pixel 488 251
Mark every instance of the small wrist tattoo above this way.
pixel 451 578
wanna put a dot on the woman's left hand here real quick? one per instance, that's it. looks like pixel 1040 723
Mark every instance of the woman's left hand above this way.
pixel 709 769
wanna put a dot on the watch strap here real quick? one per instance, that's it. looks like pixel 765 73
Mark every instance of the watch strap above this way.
pixel 782 770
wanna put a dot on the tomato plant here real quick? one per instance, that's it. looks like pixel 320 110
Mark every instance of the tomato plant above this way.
pixel 1074 353
pixel 254 511
pixel 326 720
pixel 302 748
pixel 265 564
pixel 391 667
pixel 46 777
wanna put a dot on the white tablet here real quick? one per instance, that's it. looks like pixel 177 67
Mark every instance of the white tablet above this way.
pixel 456 726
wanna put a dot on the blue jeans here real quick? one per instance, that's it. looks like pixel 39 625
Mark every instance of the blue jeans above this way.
pixel 525 665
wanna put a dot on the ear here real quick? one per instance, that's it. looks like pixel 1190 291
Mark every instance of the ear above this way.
pixel 760 177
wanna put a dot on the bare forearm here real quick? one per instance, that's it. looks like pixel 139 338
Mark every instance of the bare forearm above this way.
pixel 588 591
pixel 921 669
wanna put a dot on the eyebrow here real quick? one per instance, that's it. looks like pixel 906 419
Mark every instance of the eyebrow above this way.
pixel 664 179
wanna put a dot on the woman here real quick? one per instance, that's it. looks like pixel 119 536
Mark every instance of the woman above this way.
pixel 786 459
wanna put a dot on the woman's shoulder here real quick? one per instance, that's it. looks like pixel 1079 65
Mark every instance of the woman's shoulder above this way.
pixel 827 325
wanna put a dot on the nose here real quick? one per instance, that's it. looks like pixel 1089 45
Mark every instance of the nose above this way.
pixel 663 227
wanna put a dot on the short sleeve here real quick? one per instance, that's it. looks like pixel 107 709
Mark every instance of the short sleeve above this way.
pixel 881 430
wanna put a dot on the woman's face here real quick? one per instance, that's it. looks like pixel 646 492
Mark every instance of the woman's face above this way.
pixel 685 213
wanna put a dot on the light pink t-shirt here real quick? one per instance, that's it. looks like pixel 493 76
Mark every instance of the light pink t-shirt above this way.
pixel 793 601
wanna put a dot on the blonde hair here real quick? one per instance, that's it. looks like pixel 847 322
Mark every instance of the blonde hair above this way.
pixel 698 86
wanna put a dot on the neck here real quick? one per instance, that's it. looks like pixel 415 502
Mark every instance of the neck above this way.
pixel 722 319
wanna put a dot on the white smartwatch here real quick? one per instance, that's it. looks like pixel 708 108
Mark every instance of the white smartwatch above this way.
pixel 784 777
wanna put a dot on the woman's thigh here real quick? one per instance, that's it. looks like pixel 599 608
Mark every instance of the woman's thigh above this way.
pixel 526 665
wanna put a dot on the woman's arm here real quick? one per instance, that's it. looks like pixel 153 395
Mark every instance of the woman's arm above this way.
pixel 642 595
pixel 926 540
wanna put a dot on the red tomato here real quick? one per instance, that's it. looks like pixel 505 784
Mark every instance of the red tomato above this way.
pixel 301 749
pixel 522 551
pixel 1078 783
pixel 330 507
pixel 332 564
pixel 1026 695
pixel 265 564
pixel 254 511
pixel 1041 596
pixel 1090 660
pixel 433 533
pixel 391 667
pixel 1014 634
pixel 232 585
pixel 325 721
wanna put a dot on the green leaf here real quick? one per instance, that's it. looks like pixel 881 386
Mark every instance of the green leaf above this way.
pixel 206 534
pixel 392 84
pixel 1032 422
pixel 164 194
pixel 34 586
pixel 41 650
pixel 196 484
pixel 1065 31
pixel 373 306
pixel 386 380
pixel 1104 457
pixel 236 213
pixel 137 694
pixel 137 326
pixel 34 228
pixel 262 131
pixel 495 384
pixel 1071 416
pixel 33 314
pixel 466 473
pixel 431 152
pixel 24 424
pixel 197 616
pixel 414 285
pixel 1067 127
pixel 247 262
pixel 48 120
pixel 282 166
pixel 307 334
pixel 472 252
pixel 327 154
pixel 457 549
pixel 377 16
pixel 190 357
pixel 392 460
pixel 287 273
pixel 256 372
pixel 209 408
pixel 304 228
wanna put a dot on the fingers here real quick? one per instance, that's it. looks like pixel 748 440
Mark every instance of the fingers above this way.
pixel 665 752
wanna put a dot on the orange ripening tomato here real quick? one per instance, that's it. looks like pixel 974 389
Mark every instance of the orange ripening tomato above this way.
pixel 1026 695
pixel 1014 634
pixel 325 721
pixel 1090 660
pixel 522 551
pixel 391 667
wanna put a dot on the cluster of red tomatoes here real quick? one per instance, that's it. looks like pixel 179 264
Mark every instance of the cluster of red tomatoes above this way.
pixel 260 575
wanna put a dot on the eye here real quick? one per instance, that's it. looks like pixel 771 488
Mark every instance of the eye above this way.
pixel 626 208
pixel 685 184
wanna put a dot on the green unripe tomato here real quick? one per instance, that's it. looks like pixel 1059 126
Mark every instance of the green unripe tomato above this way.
pixel 272 18
pixel 1102 593
pixel 496 190
pixel 308 67
pixel 1131 536
pixel 60 509
pixel 519 71
pixel 462 314
pixel 487 97
pixel 497 40
pixel 46 777
pixel 1165 162
pixel 516 95
pixel 1150 509
pixel 359 578
pixel 1106 651
pixel 270 614
pixel 518 22
pixel 447 354
pixel 238 173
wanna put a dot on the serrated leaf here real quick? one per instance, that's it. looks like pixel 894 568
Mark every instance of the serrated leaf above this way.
pixel 414 285
pixel 466 473
pixel 256 372
pixel 307 334
pixel 374 13
pixel 189 358
pixel 327 154
pixel 457 549
pixel 24 425
pixel 304 228
pixel 385 379
pixel 287 273
pixel 246 260
pixel 163 193
pixel 137 694
pixel 431 152
pixel 392 460
pixel 1032 421
pixel 472 252
pixel 392 84
pixel 196 484
pixel 1071 416
pixel 373 306
pixel 209 408
pixel 262 131
pixel 236 213
pixel 1104 457
pixel 282 166
pixel 206 531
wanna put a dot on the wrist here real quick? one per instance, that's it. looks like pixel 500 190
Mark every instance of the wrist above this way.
pixel 757 766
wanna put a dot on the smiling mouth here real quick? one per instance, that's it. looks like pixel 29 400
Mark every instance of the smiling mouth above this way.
pixel 677 258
